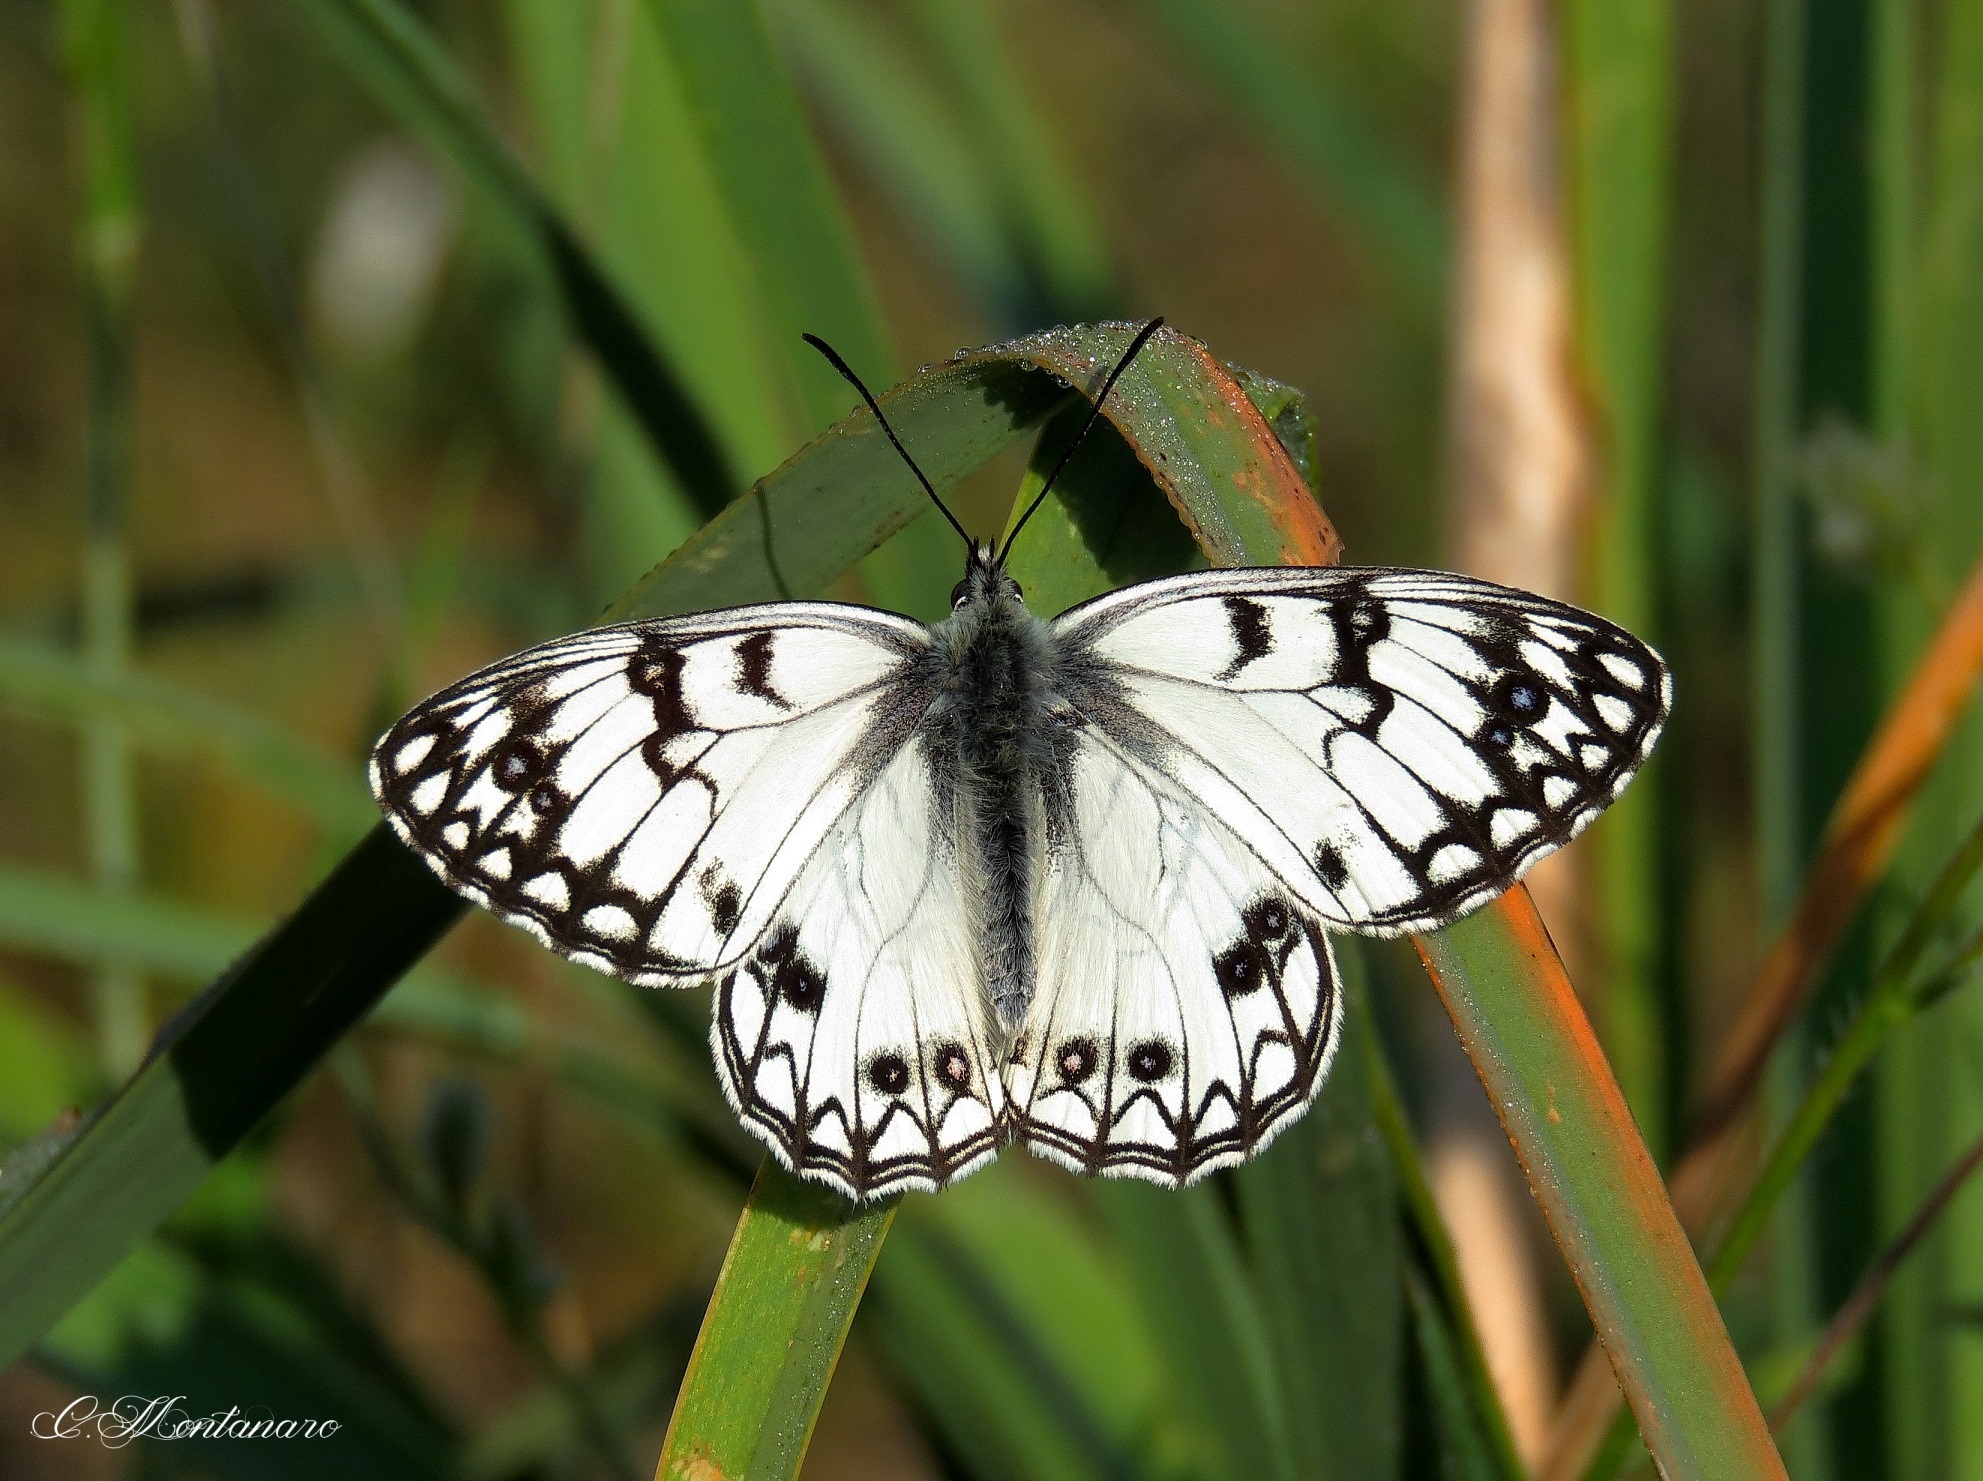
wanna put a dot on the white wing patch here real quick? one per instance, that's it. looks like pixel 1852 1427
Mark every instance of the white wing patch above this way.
pixel 641 798
pixel 1397 746
pixel 1187 1006
pixel 853 1039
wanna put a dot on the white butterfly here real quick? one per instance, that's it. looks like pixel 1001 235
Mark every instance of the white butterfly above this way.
pixel 1060 883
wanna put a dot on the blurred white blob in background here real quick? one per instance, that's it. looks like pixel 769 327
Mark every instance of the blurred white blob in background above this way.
pixel 385 235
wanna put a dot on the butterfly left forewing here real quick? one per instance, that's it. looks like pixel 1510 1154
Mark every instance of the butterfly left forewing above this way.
pixel 1187 1004
pixel 852 1039
pixel 641 797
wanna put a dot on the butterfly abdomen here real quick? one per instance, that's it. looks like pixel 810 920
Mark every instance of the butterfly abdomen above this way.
pixel 985 737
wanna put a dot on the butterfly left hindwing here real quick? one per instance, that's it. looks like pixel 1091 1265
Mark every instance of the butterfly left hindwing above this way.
pixel 852 1039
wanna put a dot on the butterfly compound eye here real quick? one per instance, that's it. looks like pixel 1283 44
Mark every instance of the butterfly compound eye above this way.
pixel 957 594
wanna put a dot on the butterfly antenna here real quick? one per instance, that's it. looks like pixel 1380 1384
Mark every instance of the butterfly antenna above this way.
pixel 846 370
pixel 1094 413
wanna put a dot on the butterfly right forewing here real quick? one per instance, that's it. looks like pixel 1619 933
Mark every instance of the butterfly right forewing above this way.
pixel 1397 746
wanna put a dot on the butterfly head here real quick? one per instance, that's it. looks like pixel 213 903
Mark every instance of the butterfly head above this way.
pixel 985 579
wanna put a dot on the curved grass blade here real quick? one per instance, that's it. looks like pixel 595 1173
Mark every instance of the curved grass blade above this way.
pixel 1521 1024
pixel 405 67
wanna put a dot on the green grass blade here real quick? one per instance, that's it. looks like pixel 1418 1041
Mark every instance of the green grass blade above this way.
pixel 627 160
pixel 1520 1023
pixel 781 204
pixel 1928 221
pixel 50 915
pixel 415 80
pixel 773 1332
pixel 1200 1302
pixel 1464 1455
pixel 99 46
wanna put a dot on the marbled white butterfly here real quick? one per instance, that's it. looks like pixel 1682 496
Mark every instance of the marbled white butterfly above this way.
pixel 1066 883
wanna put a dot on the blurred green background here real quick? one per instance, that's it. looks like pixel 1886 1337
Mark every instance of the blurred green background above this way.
pixel 296 426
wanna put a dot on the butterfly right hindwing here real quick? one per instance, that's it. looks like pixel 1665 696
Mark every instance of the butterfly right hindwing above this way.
pixel 1188 1004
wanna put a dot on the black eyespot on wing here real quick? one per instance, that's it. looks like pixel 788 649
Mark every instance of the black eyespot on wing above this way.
pixel 888 1073
pixel 1240 968
pixel 1076 1060
pixel 1267 920
pixel 1330 866
pixel 725 904
pixel 800 983
pixel 546 800
pixel 1151 1061
pixel 952 1066
pixel 1518 696
pixel 517 764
